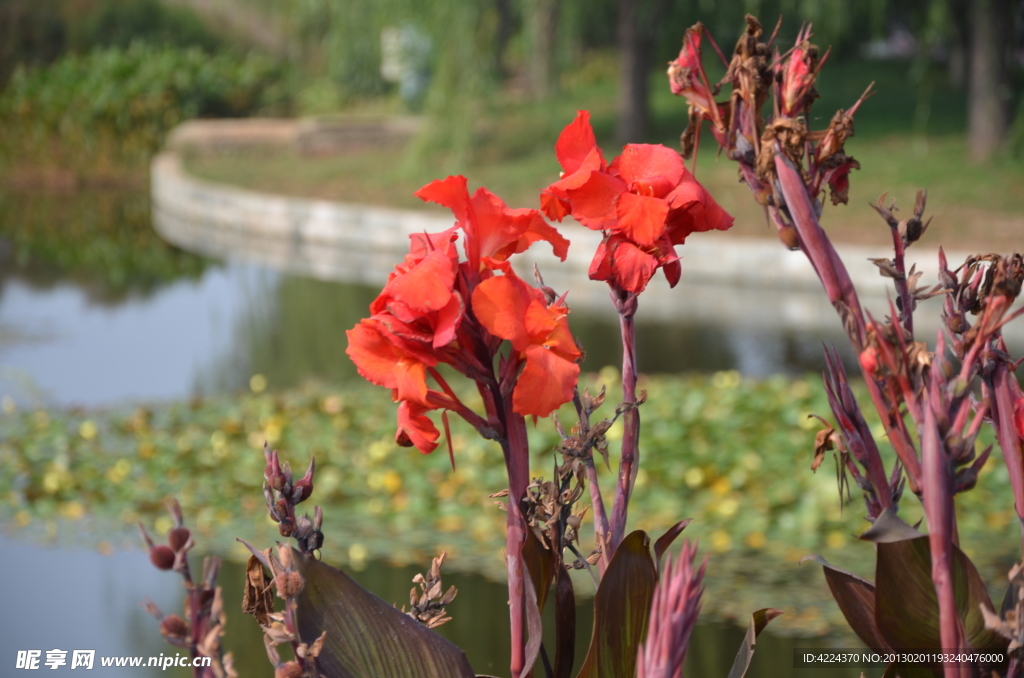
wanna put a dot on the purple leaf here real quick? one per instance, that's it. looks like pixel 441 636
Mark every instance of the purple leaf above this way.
pixel 856 599
pixel 758 621
pixel 906 607
pixel 621 609
pixel 365 635
pixel 665 540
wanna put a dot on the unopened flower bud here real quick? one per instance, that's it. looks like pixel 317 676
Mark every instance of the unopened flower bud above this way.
pixel 304 486
pixel 869 360
pixel 173 626
pixel 162 557
pixel 177 538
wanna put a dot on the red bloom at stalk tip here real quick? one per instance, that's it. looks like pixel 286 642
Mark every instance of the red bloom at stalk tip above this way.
pixel 494 232
pixel 645 201
pixel 423 317
pixel 539 333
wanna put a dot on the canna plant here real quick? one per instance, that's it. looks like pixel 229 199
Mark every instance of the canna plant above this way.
pixel 927 595
pixel 456 307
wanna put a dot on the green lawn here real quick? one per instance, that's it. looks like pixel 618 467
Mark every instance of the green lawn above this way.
pixel 979 207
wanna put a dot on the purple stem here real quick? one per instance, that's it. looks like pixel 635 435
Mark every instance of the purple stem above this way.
pixel 1002 405
pixel 629 459
pixel 816 245
pixel 902 289
pixel 515 447
pixel 938 507
pixel 600 515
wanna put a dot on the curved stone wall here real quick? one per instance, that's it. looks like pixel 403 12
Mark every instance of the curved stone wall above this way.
pixel 726 280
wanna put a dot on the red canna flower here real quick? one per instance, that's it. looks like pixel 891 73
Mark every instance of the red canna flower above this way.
pixel 645 201
pixel 509 308
pixel 493 231
pixel 421 319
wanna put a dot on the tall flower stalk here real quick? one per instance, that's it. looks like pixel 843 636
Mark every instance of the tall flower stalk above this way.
pixel 439 309
pixel 924 398
pixel 645 202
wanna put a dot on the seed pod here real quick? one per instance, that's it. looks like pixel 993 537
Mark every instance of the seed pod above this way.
pixel 173 626
pixel 289 584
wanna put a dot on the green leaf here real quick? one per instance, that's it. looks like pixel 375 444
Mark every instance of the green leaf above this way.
pixel 906 607
pixel 856 599
pixel 365 635
pixel 621 608
pixel 758 621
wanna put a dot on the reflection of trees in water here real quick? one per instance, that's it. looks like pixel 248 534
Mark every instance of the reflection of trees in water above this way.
pixel 102 240
pixel 292 329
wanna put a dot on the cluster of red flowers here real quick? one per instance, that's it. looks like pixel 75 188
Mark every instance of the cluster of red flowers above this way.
pixel 436 309
pixel 439 310
pixel 646 202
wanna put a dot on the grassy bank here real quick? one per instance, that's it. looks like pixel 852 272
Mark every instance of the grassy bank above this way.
pixel 975 207
pixel 731 453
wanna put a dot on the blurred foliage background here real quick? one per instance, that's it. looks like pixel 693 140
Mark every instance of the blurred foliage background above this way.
pixel 95 84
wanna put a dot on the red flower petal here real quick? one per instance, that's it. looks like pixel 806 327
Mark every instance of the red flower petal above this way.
pixel 641 219
pixel 593 203
pixel 555 208
pixel 619 260
pixel 576 142
pixel 427 286
pixel 447 321
pixel 415 428
pixel 500 304
pixel 546 382
pixel 451 192
pixel 382 361
pixel 653 165
pixel 502 232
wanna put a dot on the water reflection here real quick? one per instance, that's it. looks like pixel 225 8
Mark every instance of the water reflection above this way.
pixel 92 601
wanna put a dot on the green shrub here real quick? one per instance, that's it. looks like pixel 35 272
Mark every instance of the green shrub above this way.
pixel 113 107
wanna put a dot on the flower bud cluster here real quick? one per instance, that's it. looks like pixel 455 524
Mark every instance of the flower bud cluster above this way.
pixel 283 493
pixel 201 629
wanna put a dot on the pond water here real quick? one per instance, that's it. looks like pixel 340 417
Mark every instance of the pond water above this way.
pixel 71 333
pixel 96 311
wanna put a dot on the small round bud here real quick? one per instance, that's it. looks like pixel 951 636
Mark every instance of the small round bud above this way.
pixel 162 557
pixel 288 670
pixel 573 522
pixel 177 538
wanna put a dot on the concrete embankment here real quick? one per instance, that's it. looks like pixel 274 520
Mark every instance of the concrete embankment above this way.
pixel 735 282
